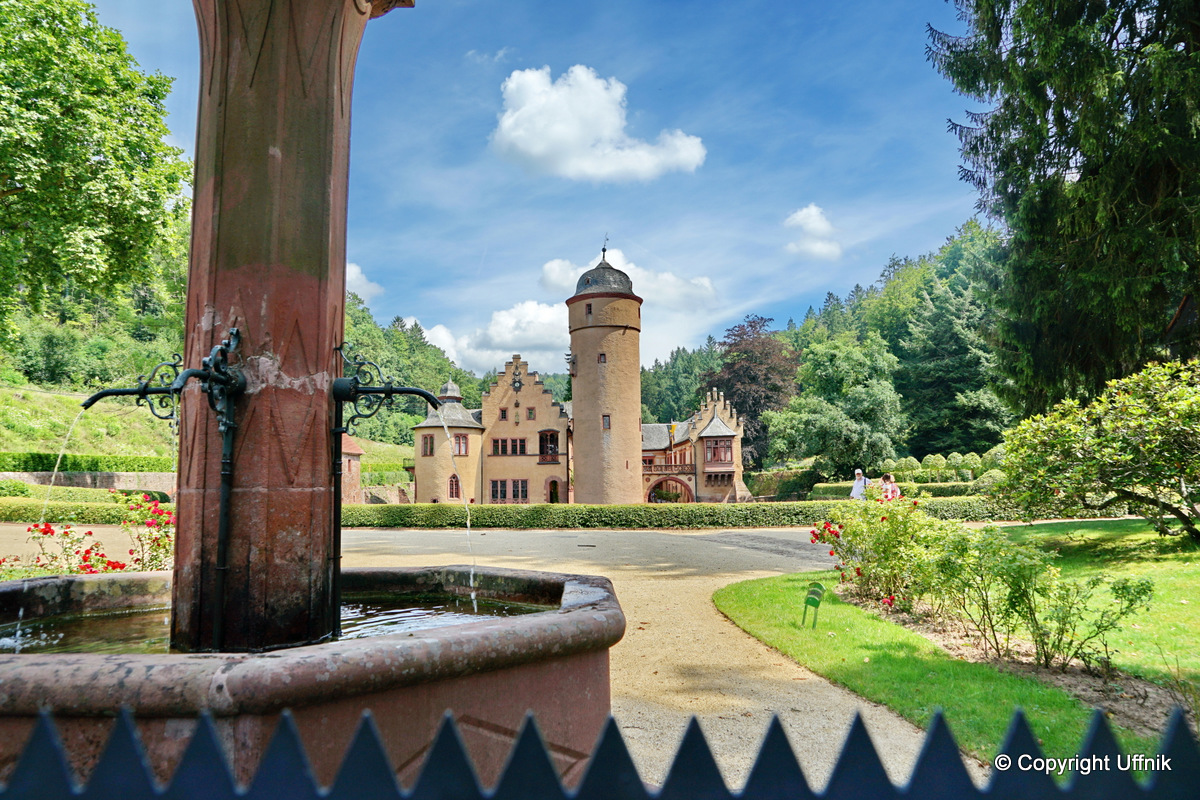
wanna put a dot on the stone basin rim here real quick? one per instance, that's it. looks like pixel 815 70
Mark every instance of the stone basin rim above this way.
pixel 588 618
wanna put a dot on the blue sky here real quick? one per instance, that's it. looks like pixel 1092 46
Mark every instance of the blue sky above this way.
pixel 742 158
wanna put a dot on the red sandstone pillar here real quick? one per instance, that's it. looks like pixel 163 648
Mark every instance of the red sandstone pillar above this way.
pixel 268 257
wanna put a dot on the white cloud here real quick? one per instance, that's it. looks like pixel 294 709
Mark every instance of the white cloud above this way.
pixel 676 311
pixel 817 234
pixel 575 128
pixel 537 331
pixel 357 282
pixel 488 58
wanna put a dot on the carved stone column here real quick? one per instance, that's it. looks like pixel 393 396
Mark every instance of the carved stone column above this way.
pixel 268 257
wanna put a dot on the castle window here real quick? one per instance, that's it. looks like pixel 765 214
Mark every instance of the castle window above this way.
pixel 602 359
pixel 455 488
pixel 588 310
pixel 718 451
pixel 530 414
pixel 520 491
pixel 503 414
pixel 606 422
pixel 427 444
pixel 460 444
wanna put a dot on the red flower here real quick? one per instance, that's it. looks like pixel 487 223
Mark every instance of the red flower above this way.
pixel 883 519
pixel 858 570
pixel 830 552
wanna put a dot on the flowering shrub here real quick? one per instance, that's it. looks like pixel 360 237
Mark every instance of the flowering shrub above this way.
pixel 67 551
pixel 885 548
pixel 151 530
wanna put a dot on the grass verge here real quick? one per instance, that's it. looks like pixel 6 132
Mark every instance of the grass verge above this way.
pixel 1151 643
pixel 889 664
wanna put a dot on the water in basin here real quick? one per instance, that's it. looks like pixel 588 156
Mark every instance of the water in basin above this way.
pixel 147 629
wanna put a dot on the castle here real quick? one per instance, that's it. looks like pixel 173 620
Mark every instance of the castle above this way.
pixel 523 447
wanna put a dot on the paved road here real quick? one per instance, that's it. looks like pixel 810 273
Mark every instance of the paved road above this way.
pixel 680 657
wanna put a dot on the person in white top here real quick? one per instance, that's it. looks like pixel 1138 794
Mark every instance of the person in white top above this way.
pixel 859 490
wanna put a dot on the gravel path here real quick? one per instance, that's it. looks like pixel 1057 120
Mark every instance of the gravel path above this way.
pixel 680 656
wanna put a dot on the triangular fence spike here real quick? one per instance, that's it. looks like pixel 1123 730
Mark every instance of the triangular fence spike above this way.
pixel 1012 782
pixel 366 770
pixel 1099 775
pixel 939 771
pixel 122 771
pixel 529 771
pixel 43 772
pixel 776 774
pixel 203 773
pixel 694 775
pixel 284 771
pixel 858 772
pixel 447 773
pixel 1180 781
pixel 611 774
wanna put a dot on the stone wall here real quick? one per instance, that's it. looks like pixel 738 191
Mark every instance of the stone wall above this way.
pixel 127 481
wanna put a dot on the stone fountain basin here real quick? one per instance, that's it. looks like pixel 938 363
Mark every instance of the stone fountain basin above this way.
pixel 489 674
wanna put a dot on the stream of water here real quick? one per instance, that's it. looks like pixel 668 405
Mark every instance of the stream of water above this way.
pixel 462 496
pixel 58 463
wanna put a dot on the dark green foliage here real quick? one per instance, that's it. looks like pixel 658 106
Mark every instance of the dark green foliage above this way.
pixel 945 364
pixel 1090 154
pixel 847 413
pixel 756 376
pixel 782 484
pixel 671 390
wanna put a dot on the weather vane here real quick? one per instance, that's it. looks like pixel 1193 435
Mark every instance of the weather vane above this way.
pixel 604 248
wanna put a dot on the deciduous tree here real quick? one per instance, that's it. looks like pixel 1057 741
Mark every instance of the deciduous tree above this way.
pixel 1137 444
pixel 86 180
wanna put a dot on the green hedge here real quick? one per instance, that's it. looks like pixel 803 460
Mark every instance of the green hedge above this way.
pixel 380 478
pixel 835 491
pixel 29 510
pixel 784 483
pixel 70 494
pixel 545 515
pixel 44 462
pixel 388 466
pixel 650 515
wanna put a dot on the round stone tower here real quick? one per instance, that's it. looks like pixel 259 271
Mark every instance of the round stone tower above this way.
pixel 437 455
pixel 605 320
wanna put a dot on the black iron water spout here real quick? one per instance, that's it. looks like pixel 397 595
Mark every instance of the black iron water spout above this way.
pixel 222 383
pixel 367 401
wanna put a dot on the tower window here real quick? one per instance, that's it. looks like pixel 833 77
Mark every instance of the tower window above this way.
pixel 606 422
pixel 460 444
pixel 427 444
pixel 455 488
pixel 588 309
pixel 602 359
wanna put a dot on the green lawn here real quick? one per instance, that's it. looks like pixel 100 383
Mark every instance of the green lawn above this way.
pixel 889 664
pixel 1130 548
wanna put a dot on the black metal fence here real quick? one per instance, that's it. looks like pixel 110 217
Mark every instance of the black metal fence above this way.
pixel 939 774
